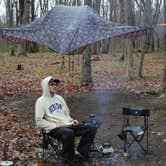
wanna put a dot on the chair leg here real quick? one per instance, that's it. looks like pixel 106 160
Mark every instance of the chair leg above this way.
pixel 147 142
pixel 125 142
pixel 135 139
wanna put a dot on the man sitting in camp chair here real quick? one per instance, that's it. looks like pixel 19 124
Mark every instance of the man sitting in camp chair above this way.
pixel 52 115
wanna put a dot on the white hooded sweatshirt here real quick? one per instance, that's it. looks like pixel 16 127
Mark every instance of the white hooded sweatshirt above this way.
pixel 51 111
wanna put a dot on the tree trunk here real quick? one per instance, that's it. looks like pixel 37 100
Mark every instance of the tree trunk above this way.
pixel 17 12
pixel 9 16
pixel 21 11
pixel 130 60
pixel 88 2
pixel 23 16
pixel 165 27
pixel 96 5
pixel 79 2
pixel 122 21
pixel 86 68
pixel 129 19
pixel 111 43
pixel 62 62
pixel 164 77
pixel 141 64
pixel 146 8
pixel 96 45
pixel 164 81
pixel 32 46
pixel 43 6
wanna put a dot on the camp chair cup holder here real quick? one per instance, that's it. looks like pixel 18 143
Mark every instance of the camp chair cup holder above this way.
pixel 135 127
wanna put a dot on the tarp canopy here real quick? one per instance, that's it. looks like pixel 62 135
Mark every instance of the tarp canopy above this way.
pixel 65 29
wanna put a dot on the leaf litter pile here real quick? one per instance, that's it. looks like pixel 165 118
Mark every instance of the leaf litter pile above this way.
pixel 19 138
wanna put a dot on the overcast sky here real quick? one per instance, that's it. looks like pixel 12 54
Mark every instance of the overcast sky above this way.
pixel 2 8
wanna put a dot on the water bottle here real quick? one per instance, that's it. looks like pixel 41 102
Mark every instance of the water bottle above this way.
pixel 92 119
pixel 39 157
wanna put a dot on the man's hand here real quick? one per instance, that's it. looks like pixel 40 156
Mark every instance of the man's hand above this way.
pixel 61 125
pixel 75 122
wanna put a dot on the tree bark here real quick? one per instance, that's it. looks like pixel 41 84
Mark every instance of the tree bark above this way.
pixel 130 60
pixel 43 6
pixel 122 21
pixel 9 16
pixel 141 64
pixel 96 45
pixel 88 2
pixel 86 67
pixel 164 76
pixel 32 46
pixel 129 19
pixel 146 8
pixel 17 12
pixel 24 18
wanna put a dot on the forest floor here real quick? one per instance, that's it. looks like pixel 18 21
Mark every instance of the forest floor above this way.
pixel 19 89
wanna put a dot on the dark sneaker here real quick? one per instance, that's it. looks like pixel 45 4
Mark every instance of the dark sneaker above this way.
pixel 67 163
pixel 84 157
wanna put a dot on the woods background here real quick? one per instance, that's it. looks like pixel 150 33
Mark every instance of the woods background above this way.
pixel 126 12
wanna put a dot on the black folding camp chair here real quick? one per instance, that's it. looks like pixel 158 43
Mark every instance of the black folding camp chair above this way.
pixel 134 130
pixel 51 148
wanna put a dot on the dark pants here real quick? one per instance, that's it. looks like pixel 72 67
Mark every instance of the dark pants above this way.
pixel 67 135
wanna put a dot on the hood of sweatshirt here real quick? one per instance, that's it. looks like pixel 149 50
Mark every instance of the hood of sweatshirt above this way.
pixel 45 87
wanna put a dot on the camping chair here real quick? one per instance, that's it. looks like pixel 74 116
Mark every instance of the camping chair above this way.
pixel 133 131
pixel 51 147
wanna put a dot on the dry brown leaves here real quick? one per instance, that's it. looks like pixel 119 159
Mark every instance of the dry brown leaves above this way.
pixel 18 140
pixel 36 67
pixel 110 73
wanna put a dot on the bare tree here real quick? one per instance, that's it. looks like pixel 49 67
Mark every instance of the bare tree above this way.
pixel 24 17
pixel 9 13
pixel 112 17
pixel 150 16
pixel 31 46
pixel 43 6
pixel 164 77
pixel 106 42
pixel 9 16
pixel 88 2
pixel 122 21
pixel 129 19
pixel 86 67
pixel 16 4
pixel 96 5
pixel 145 8
pixel 96 46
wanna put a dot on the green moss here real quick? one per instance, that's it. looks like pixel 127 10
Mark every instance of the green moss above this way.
pixel 15 103
pixel 4 48
pixel 95 74
pixel 114 64
pixel 158 101
pixel 41 72
pixel 146 75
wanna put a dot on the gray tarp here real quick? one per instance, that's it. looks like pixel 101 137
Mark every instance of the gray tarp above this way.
pixel 64 29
